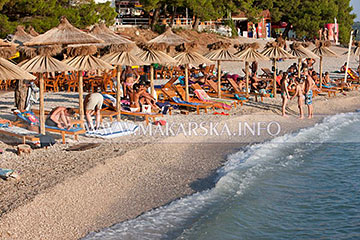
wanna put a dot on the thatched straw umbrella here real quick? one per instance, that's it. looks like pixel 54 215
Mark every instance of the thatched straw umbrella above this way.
pixel 20 36
pixel 110 38
pixel 32 31
pixel 189 56
pixel 44 64
pixel 322 50
pixel 122 47
pixel 63 34
pixel 83 60
pixel 125 58
pixel 151 54
pixel 220 53
pixel 249 54
pixel 8 70
pixel 169 38
pixel 298 50
pixel 275 52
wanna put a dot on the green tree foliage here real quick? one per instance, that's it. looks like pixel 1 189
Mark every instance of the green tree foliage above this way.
pixel 45 14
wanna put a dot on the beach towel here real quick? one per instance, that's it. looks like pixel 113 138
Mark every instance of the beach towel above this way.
pixel 202 95
pixel 113 130
pixel 178 100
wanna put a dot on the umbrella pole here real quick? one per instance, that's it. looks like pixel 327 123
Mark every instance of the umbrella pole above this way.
pixel 274 90
pixel 118 95
pixel 299 68
pixel 41 105
pixel 321 65
pixel 81 97
pixel 152 80
pixel 187 82
pixel 247 77
pixel 219 79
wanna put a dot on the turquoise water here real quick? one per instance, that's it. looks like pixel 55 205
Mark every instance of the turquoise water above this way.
pixel 300 186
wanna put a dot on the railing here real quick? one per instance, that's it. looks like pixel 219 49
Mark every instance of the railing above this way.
pixel 177 22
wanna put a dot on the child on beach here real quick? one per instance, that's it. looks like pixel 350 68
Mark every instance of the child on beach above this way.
pixel 284 92
pixel 299 92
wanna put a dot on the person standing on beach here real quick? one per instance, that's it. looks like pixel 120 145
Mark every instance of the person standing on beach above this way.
pixel 93 103
pixel 284 92
pixel 299 92
pixel 309 85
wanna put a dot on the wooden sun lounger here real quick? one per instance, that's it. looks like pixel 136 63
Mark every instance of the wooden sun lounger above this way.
pixel 238 91
pixel 171 93
pixel 267 73
pixel 233 103
pixel 181 91
pixel 147 116
pixel 63 132
pixel 227 95
pixel 24 137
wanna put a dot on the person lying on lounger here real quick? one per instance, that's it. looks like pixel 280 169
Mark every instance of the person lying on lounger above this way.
pixel 60 117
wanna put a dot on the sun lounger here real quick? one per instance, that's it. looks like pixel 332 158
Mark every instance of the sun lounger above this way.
pixel 20 132
pixel 267 73
pixel 226 95
pixel 181 91
pixel 202 95
pixel 239 91
pixel 172 96
pixel 31 119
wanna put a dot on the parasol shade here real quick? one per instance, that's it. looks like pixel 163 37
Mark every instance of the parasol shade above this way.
pixel 123 58
pixel 64 34
pixel 88 63
pixel 169 38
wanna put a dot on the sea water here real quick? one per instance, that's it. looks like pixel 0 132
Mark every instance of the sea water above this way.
pixel 299 186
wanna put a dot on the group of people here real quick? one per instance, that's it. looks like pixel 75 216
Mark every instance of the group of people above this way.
pixel 304 87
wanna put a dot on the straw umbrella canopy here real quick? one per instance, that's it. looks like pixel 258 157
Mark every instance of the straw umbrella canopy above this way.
pixel 20 36
pixel 8 70
pixel 83 60
pixel 44 64
pixel 169 38
pixel 322 50
pixel 125 58
pixel 63 34
pixel 250 54
pixel 298 50
pixel 190 57
pixel 220 53
pixel 32 31
pixel 275 52
pixel 150 54
pixel 100 31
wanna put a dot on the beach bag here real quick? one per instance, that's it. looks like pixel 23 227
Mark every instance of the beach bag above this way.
pixel 146 108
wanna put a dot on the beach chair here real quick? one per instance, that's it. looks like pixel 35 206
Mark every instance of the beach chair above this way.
pixel 175 100
pixel 239 91
pixel 267 73
pixel 202 95
pixel 31 118
pixel 9 129
pixel 226 94
pixel 110 112
pixel 181 91
pixel 170 82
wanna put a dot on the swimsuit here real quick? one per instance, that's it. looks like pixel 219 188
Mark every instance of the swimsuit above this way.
pixel 308 97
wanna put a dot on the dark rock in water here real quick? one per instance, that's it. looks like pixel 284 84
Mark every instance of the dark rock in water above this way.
pixel 83 147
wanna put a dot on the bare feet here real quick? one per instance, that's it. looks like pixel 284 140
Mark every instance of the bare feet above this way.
pixel 301 117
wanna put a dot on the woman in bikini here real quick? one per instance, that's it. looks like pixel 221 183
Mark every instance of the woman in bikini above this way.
pixel 299 92
pixel 284 92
